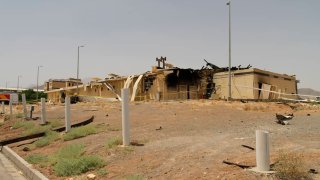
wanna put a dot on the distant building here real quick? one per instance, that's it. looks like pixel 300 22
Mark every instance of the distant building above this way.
pixel 166 82
pixel 53 84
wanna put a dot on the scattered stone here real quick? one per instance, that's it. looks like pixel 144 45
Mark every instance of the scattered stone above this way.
pixel 26 148
pixel 91 176
pixel 308 114
pixel 158 129
pixel 313 171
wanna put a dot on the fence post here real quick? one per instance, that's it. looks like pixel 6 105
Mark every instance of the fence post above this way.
pixel 125 117
pixel 24 103
pixel 3 110
pixel 43 111
pixel 262 150
pixel 10 106
pixel 67 113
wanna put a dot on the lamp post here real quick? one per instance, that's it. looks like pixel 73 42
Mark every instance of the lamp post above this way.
pixel 38 81
pixel 229 74
pixel 7 84
pixel 19 76
pixel 78 68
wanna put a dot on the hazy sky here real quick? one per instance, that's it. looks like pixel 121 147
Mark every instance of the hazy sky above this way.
pixel 125 36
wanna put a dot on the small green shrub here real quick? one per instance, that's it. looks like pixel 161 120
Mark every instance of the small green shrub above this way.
pixel 47 139
pixel 23 124
pixel 102 172
pixel 37 159
pixel 19 115
pixel 70 161
pixel 113 142
pixel 36 129
pixel 290 166
pixel 70 151
pixel 80 132
pixel 68 167
pixel 55 123
pixel 112 129
pixel 134 177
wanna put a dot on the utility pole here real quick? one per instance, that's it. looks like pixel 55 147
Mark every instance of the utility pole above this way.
pixel 18 82
pixel 78 69
pixel 38 82
pixel 229 75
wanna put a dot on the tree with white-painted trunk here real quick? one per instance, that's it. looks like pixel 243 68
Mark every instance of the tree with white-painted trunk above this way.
pixel 125 117
pixel 67 114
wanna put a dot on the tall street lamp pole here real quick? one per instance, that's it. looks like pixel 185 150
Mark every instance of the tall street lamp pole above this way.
pixel 7 84
pixel 18 82
pixel 38 81
pixel 229 75
pixel 78 68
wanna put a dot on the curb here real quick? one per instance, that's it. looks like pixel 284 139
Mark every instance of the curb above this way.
pixel 23 165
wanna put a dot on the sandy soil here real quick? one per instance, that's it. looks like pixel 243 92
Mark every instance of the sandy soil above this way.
pixel 195 138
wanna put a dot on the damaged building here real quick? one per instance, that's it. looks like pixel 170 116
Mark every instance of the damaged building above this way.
pixel 165 82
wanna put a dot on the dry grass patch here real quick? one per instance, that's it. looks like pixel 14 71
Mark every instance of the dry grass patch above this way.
pixel 290 166
pixel 113 142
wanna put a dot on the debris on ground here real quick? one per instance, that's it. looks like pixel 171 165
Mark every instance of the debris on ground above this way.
pixel 249 147
pixel 136 143
pixel 284 119
pixel 90 110
pixel 26 149
pixel 91 176
pixel 313 171
pixel 236 164
pixel 243 101
pixel 158 129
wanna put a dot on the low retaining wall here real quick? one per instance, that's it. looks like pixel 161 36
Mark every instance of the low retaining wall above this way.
pixel 23 165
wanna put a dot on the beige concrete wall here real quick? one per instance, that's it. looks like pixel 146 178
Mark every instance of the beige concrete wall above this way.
pixel 237 92
pixel 56 85
pixel 287 85
pixel 243 82
pixel 54 97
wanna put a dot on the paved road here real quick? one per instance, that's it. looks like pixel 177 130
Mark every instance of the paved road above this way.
pixel 8 171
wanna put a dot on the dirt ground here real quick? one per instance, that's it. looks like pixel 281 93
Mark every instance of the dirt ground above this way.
pixel 195 137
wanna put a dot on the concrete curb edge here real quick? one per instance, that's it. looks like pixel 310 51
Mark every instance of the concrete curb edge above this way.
pixel 23 165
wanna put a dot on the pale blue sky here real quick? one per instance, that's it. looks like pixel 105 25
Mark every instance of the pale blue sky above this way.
pixel 125 36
